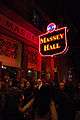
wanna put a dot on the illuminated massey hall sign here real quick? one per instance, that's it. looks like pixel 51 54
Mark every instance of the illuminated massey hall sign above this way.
pixel 53 42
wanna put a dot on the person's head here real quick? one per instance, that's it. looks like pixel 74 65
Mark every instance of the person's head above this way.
pixel 39 81
pixel 28 84
pixel 61 85
pixel 22 84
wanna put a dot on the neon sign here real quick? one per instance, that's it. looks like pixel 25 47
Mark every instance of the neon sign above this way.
pixel 53 42
pixel 51 27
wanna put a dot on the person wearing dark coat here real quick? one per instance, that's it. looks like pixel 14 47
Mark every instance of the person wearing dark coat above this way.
pixel 64 104
pixel 43 106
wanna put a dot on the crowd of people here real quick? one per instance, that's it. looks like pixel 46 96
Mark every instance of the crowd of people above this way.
pixel 38 100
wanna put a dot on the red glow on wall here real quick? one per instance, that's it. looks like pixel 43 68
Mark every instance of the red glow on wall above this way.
pixel 16 29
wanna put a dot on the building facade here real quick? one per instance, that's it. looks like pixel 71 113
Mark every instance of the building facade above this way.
pixel 19 47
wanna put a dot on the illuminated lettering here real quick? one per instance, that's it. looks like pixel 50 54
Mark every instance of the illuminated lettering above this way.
pixel 51 47
pixel 62 36
pixel 54 46
pixel 41 40
pixel 46 47
pixel 52 38
pixel 57 37
pixel 16 29
pixel 48 40
pixel 45 40
pixel 57 45
pixel 9 25
pixel 23 32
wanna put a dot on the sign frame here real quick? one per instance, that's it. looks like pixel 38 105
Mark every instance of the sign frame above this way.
pixel 66 44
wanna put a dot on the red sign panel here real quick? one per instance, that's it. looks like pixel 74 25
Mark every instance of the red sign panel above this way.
pixel 53 43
